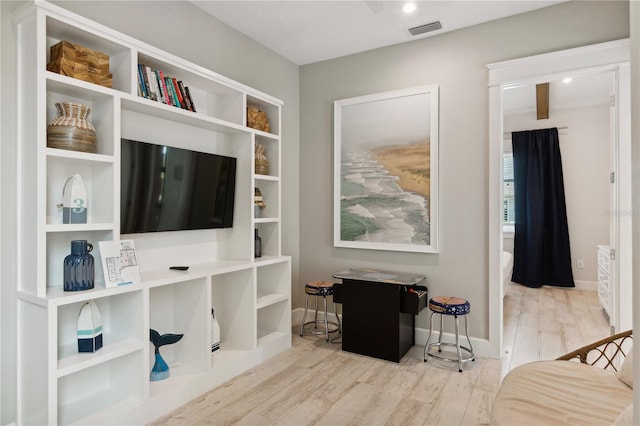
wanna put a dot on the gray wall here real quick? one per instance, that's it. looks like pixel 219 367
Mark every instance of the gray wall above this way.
pixel 194 36
pixel 456 62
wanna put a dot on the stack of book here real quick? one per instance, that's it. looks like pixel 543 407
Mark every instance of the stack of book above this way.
pixel 156 86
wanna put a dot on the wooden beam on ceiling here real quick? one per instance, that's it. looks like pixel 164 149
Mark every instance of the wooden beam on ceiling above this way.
pixel 542 101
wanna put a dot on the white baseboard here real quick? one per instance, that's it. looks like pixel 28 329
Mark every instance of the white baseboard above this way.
pixel 481 347
pixel 586 285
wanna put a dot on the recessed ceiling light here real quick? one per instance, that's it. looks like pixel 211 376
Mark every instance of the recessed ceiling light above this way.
pixel 409 7
pixel 567 80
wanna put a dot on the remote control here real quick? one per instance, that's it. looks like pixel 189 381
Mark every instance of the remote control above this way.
pixel 179 268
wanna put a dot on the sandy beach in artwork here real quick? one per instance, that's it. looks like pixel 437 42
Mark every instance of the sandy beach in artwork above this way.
pixel 410 163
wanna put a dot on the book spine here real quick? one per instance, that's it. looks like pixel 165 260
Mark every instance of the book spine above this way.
pixel 174 98
pixel 164 88
pixel 152 85
pixel 163 97
pixel 178 94
pixel 169 94
pixel 187 103
pixel 141 85
pixel 146 83
pixel 193 106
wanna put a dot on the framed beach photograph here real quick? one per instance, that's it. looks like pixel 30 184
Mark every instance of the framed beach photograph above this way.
pixel 386 171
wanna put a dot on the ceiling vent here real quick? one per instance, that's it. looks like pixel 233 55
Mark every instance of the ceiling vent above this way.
pixel 421 29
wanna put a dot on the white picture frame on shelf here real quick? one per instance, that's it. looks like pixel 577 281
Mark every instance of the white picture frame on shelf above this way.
pixel 386 171
pixel 119 263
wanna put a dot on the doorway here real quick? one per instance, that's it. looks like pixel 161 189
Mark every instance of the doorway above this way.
pixel 610 62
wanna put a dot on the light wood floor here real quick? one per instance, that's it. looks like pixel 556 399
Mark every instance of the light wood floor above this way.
pixel 316 383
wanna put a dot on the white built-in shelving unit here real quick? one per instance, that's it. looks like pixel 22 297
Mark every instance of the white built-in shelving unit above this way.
pixel 251 297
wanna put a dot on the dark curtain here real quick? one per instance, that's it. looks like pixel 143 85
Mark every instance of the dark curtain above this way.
pixel 541 253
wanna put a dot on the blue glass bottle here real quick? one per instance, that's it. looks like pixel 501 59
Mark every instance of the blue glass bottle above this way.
pixel 79 269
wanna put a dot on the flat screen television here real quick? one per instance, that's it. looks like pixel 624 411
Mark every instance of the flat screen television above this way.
pixel 172 189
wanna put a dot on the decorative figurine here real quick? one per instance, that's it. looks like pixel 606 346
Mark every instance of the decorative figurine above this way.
pixel 89 328
pixel 74 200
pixel 160 370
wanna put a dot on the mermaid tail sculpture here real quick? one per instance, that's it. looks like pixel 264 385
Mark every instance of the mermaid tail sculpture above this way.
pixel 160 370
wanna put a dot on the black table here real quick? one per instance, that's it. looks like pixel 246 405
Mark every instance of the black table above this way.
pixel 378 311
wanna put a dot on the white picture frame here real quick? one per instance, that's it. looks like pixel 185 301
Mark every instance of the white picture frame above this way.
pixel 386 171
pixel 119 263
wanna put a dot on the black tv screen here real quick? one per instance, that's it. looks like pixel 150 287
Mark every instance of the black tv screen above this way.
pixel 171 189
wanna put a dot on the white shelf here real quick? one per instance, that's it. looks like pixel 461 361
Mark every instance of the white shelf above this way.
pixel 79 227
pixel 267 178
pixel 267 220
pixel 265 300
pixel 71 361
pixel 77 155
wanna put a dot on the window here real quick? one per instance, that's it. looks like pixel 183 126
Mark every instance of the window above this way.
pixel 508 208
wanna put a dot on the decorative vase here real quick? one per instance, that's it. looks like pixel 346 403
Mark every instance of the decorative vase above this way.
pixel 74 200
pixel 215 332
pixel 261 162
pixel 71 130
pixel 160 370
pixel 258 244
pixel 79 269
pixel 89 328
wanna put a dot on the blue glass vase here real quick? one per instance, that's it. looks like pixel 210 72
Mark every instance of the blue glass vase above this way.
pixel 79 269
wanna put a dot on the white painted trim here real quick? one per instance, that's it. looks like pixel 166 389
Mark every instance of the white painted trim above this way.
pixel 580 61
pixel 540 67
pixel 586 285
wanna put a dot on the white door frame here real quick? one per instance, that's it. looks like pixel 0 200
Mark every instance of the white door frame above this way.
pixel 613 56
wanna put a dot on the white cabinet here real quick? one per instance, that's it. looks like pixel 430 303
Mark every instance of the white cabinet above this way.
pixel 251 297
pixel 604 291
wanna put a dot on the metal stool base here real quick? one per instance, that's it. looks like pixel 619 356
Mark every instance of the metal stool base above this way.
pixel 321 330
pixel 460 359
pixel 471 357
pixel 325 330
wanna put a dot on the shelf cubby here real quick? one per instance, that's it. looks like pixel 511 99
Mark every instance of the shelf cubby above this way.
pixel 211 98
pixel 97 388
pixel 122 331
pixel 101 104
pixel 272 284
pixel 272 152
pixel 59 29
pixel 98 179
pixel 273 322
pixel 182 308
pixel 59 246
pixel 235 319
pixel 269 231
pixel 272 110
pixel 270 196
